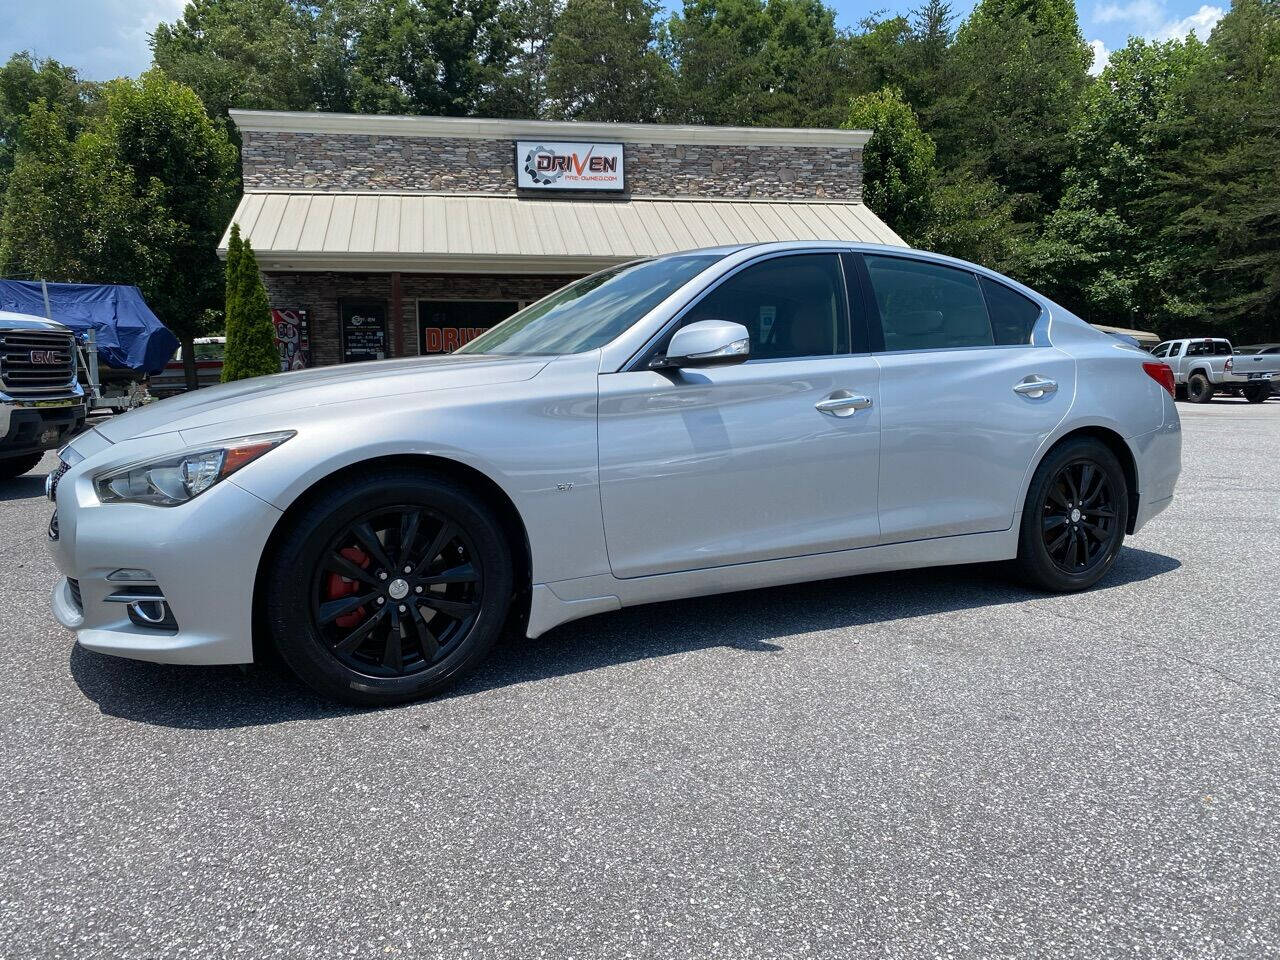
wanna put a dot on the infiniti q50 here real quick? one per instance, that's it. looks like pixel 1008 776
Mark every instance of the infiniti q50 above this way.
pixel 708 421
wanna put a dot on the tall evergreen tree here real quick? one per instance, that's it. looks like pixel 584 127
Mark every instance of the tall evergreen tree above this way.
pixel 251 336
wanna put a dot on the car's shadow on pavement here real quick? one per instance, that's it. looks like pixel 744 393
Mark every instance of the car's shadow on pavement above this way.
pixel 25 487
pixel 223 697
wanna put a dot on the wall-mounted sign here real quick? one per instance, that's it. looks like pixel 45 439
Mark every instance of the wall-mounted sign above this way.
pixel 558 165
pixel 293 338
pixel 364 331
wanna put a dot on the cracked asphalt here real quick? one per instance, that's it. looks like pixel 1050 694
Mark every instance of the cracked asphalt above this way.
pixel 936 763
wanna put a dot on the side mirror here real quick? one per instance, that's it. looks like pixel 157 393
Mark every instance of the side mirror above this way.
pixel 706 343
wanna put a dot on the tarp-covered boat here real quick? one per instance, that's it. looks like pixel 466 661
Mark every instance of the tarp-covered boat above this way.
pixel 128 335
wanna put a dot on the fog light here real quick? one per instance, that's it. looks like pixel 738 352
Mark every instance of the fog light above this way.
pixel 152 613
pixel 131 575
pixel 147 607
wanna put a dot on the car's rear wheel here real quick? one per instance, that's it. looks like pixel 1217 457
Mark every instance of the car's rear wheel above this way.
pixel 11 467
pixel 1199 389
pixel 1256 393
pixel 389 587
pixel 1075 517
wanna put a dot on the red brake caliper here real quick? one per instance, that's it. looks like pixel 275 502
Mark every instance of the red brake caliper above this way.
pixel 339 586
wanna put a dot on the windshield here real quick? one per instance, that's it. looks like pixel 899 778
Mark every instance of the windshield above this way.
pixel 592 311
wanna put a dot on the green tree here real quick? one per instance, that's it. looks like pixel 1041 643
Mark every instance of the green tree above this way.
pixel 757 63
pixel 604 62
pixel 254 54
pixel 1220 196
pixel 897 162
pixel 24 81
pixel 1102 251
pixel 251 336
pixel 139 197
pixel 1012 89
pixel 436 57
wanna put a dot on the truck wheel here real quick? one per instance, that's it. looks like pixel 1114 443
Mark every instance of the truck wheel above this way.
pixel 389 587
pixel 1075 516
pixel 1199 389
pixel 1257 394
pixel 12 467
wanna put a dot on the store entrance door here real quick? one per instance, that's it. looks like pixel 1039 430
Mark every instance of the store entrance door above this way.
pixel 445 325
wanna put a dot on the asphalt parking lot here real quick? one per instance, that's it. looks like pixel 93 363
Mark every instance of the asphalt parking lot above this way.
pixel 937 763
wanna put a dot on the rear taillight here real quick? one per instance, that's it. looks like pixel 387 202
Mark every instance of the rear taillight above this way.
pixel 1161 373
pixel 1228 365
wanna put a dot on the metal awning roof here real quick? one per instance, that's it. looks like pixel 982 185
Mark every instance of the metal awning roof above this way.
pixel 472 233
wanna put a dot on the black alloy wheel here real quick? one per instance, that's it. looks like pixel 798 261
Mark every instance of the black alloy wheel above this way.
pixel 396 590
pixel 388 587
pixel 1075 516
pixel 1078 519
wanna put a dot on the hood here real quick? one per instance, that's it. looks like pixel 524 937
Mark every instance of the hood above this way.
pixel 25 321
pixel 300 389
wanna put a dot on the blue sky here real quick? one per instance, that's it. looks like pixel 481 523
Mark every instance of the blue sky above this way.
pixel 108 38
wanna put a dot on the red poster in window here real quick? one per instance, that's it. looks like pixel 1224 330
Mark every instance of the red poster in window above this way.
pixel 293 338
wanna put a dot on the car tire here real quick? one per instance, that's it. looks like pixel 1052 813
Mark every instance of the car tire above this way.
pixel 1257 394
pixel 404 635
pixel 1080 491
pixel 11 467
pixel 1199 389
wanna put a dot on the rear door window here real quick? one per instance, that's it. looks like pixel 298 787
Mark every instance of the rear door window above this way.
pixel 927 306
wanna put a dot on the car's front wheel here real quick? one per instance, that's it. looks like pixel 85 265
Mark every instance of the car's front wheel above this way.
pixel 1075 517
pixel 389 587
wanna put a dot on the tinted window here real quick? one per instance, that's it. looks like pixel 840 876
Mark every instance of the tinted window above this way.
pixel 924 306
pixel 792 306
pixel 1013 316
pixel 591 312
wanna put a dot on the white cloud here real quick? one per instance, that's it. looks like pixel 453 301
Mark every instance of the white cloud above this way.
pixel 1201 23
pixel 100 38
pixel 1151 19
pixel 1100 56
pixel 1136 12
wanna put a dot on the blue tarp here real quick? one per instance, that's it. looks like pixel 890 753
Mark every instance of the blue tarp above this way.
pixel 128 334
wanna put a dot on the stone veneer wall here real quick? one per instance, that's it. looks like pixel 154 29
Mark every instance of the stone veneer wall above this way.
pixel 320 294
pixel 328 161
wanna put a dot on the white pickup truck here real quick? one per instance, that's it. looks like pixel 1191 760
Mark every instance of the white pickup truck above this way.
pixel 1203 366
pixel 41 404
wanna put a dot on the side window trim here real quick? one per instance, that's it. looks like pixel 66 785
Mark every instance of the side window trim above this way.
pixel 659 340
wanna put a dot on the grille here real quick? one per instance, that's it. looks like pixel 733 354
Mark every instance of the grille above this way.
pixel 36 361
pixel 75 593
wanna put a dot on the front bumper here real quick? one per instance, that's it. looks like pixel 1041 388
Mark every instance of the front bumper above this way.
pixel 203 556
pixel 28 428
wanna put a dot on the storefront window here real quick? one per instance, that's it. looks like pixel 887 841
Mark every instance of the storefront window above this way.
pixel 591 312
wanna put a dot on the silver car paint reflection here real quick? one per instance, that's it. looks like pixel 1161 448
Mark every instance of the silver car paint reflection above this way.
pixel 633 485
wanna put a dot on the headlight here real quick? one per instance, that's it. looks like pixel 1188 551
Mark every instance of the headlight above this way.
pixel 169 481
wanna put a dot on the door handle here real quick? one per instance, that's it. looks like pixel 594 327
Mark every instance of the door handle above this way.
pixel 842 403
pixel 1035 387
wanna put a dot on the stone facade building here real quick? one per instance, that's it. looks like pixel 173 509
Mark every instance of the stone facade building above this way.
pixel 402 235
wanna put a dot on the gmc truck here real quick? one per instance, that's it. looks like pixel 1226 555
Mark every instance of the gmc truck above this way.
pixel 1202 366
pixel 41 402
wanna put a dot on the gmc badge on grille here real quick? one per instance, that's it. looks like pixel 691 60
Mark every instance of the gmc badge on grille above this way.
pixel 45 356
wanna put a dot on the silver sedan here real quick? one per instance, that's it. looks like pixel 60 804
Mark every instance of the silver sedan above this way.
pixel 709 421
